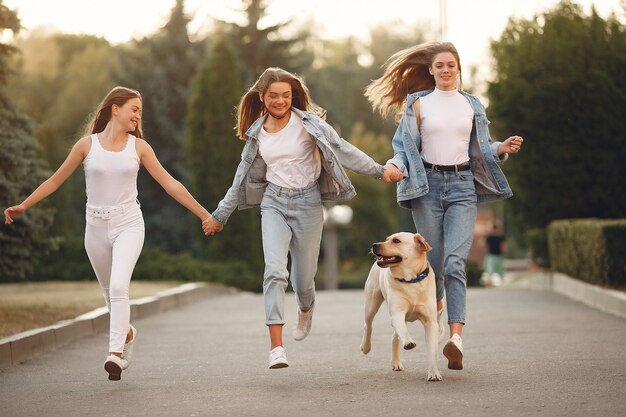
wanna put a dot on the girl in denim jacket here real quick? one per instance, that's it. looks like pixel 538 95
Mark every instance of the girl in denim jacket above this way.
pixel 443 148
pixel 292 162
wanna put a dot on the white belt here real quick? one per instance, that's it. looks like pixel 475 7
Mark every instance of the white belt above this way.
pixel 107 212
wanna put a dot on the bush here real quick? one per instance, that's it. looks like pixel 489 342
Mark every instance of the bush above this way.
pixel 537 241
pixel 70 263
pixel 156 264
pixel 473 272
pixel 589 249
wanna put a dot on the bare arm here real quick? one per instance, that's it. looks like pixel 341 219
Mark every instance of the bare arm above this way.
pixel 171 186
pixel 74 159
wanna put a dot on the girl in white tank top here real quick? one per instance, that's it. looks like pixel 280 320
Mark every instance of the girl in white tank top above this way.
pixel 114 230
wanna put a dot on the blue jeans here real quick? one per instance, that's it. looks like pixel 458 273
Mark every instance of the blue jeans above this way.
pixel 446 217
pixel 291 224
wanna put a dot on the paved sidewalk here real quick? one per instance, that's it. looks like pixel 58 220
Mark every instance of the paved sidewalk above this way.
pixel 527 352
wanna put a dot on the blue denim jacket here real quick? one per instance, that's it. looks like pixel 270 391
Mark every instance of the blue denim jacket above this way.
pixel 484 160
pixel 249 183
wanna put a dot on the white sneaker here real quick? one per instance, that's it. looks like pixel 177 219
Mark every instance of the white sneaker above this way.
pixel 453 350
pixel 127 353
pixel 305 319
pixel 278 358
pixel 114 366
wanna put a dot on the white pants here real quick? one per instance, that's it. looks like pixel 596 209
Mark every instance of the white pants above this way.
pixel 113 241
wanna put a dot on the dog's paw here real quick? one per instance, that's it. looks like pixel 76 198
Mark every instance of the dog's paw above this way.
pixel 365 348
pixel 434 375
pixel 410 345
pixel 397 366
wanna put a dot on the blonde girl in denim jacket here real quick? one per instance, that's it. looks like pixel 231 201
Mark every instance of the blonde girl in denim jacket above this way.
pixel 443 148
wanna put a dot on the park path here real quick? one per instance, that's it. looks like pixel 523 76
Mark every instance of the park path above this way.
pixel 527 352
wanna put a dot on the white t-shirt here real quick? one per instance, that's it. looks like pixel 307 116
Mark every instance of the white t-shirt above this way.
pixel 111 177
pixel 291 154
pixel 446 125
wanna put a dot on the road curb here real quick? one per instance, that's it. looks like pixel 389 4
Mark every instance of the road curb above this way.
pixel 22 346
pixel 607 300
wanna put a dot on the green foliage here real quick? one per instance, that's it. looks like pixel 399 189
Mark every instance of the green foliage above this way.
pixel 214 153
pixel 338 80
pixel 69 262
pixel 473 272
pixel 155 264
pixel 589 249
pixel 260 47
pixel 559 83
pixel 614 244
pixel 537 240
pixel 376 214
pixel 59 89
pixel 161 67
pixel 8 21
pixel 21 170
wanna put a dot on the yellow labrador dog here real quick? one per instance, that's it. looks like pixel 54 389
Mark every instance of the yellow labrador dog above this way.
pixel 402 276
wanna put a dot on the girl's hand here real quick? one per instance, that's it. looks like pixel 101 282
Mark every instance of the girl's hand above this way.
pixel 210 226
pixel 12 212
pixel 392 174
pixel 511 145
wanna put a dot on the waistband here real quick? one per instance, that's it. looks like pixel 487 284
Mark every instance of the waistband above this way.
pixel 107 212
pixel 293 192
pixel 456 168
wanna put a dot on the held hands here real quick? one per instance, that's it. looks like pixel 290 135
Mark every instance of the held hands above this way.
pixel 210 226
pixel 511 145
pixel 392 173
pixel 13 212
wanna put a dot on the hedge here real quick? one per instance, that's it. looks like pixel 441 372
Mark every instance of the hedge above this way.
pixel 592 250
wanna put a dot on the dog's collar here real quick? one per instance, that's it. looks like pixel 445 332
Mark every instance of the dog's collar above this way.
pixel 418 278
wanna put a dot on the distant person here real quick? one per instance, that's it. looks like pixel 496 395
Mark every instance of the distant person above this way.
pixel 292 162
pixel 494 259
pixel 443 147
pixel 111 155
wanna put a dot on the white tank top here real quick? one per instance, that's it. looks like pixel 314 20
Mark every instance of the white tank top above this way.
pixel 446 125
pixel 291 155
pixel 111 177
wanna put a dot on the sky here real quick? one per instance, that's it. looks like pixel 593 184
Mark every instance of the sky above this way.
pixel 471 24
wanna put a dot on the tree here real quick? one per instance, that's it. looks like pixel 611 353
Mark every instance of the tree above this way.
pixel 261 47
pixel 161 68
pixel 376 213
pixel 344 67
pixel 214 152
pixel 559 84
pixel 59 90
pixel 21 170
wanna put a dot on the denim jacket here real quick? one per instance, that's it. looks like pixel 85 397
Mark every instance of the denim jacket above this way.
pixel 484 160
pixel 249 183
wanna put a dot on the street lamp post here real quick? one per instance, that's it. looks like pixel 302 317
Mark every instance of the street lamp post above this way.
pixel 334 217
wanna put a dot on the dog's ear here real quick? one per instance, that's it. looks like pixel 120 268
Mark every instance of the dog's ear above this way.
pixel 419 239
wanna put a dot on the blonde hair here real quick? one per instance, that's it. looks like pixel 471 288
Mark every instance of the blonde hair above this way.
pixel 406 72
pixel 251 107
pixel 119 96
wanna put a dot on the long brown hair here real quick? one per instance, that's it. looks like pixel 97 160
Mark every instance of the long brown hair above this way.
pixel 119 96
pixel 251 107
pixel 406 72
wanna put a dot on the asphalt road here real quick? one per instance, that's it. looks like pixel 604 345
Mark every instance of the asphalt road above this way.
pixel 526 353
